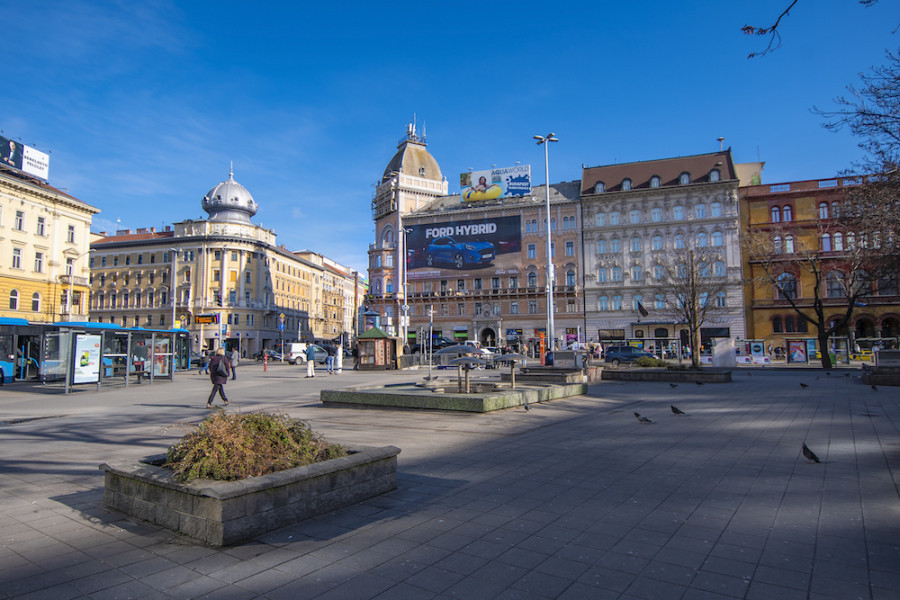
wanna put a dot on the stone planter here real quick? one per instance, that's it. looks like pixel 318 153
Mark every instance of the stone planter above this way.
pixel 222 513
pixel 707 375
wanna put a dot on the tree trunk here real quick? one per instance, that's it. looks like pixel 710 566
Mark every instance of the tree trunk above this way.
pixel 823 348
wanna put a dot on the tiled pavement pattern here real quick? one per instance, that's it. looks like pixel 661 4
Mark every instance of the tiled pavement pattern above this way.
pixel 573 499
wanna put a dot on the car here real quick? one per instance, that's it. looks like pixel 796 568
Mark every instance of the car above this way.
pixel 269 355
pixel 196 358
pixel 320 353
pixel 624 354
pixel 459 254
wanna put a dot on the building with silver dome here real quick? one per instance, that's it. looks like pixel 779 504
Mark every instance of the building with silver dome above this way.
pixel 231 281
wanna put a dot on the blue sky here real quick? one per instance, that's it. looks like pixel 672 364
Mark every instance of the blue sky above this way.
pixel 142 105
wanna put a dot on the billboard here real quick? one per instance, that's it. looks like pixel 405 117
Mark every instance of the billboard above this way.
pixel 495 183
pixel 24 158
pixel 453 248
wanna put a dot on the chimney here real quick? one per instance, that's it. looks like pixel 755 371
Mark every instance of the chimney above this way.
pixel 167 228
pixel 153 230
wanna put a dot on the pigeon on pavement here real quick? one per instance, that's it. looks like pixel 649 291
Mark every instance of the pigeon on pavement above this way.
pixel 642 420
pixel 810 455
pixel 874 388
pixel 673 385
pixel 699 382
pixel 803 385
pixel 676 410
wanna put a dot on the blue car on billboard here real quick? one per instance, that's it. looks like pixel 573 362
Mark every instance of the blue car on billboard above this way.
pixel 459 254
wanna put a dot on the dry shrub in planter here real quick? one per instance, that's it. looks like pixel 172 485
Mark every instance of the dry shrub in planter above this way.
pixel 231 446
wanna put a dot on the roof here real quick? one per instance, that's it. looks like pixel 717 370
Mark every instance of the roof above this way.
pixel 133 237
pixel 668 170
pixel 412 159
pixel 40 183
pixel 373 334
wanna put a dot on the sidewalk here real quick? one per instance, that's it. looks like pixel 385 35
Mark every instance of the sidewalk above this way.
pixel 572 499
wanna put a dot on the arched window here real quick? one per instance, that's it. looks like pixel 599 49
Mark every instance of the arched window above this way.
pixel 679 241
pixel 714 175
pixel 654 181
pixel 570 278
pixel 377 287
pixel 826 242
pixel 789 324
pixel 787 286
pixel 786 213
pixel 601 246
pixel 601 220
pixel 388 235
pixel 660 302
pixel 603 303
pixel 835 285
pixel 635 244
pixel 615 245
pixel 789 244
pixel 685 178
pixel 823 210
pixel 617 274
pixel 719 269
pixel 626 184
pixel 717 238
pixel 777 325
pixel 636 273
pixel 532 280
pixel 527 226
pixel 838 242
pixel 388 286
pixel 553 224
pixel 776 214
pixel 657 242
pixel 777 245
pixel 637 300
pixel 14 300
pixel 599 187
pixel 602 275
pixel 702 240
pixel 36 302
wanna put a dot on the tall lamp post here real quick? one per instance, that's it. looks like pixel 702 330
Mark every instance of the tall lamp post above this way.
pixel 174 276
pixel 71 282
pixel 405 306
pixel 545 141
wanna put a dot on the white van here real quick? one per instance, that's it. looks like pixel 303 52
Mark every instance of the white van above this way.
pixel 295 353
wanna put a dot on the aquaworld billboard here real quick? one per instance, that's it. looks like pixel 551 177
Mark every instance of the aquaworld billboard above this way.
pixel 495 183
pixel 452 248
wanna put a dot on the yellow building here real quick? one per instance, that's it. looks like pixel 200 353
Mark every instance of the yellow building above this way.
pixel 44 237
pixel 799 219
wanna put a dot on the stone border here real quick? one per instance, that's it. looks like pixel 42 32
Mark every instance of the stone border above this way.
pixel 651 374
pixel 418 398
pixel 222 513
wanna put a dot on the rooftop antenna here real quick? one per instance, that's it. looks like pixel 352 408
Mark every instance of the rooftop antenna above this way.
pixel 231 170
pixel 721 139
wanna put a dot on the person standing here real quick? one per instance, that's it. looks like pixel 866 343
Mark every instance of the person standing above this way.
pixel 339 359
pixel 310 361
pixel 204 362
pixel 329 362
pixel 219 369
pixel 235 359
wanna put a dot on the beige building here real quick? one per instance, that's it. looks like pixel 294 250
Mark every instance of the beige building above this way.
pixel 44 239
pixel 232 283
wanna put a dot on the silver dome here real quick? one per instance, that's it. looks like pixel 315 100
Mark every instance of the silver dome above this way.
pixel 229 202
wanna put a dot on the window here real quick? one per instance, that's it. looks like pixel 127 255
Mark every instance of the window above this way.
pixel 216 275
pixel 636 273
pixel 36 302
pixel 789 324
pixel 787 286
pixel 654 181
pixel 684 178
pixel 826 242
pixel 660 301
pixel 601 247
pixel 527 226
pixel 570 248
pixel 715 209
pixel 617 274
pixel 19 224
pixel 786 215
pixel 601 220
pixel 657 242
pixel 838 242
pixel 777 245
pixel 599 187
pixel 602 275
pixel 460 285
pixel 700 211
pixel 721 299
pixel 614 218
pixel 835 285
pixel 617 302
pixel 389 260
pixel 635 244
pixel 717 238
pixel 532 251
pixel 14 300
pixel 719 269
pixel 17 258
pixel 703 269
pixel 702 240
pixel 656 215
pixel 41 223
pixel 70 266
pixel 570 278
pixel 636 300
pixel 477 284
pixel 678 213
pixel 704 299
pixel 115 261
pixel 217 255
pixel 887 285
pixel 513 282
pixel 552 249
pixel 38 262
pixel 460 310
pixel 680 271
pixel 634 217
pixel 70 235
pixel 658 272
pixel 626 185
pixel 514 308
pixel 789 244
pixel 615 245
pixel 679 241
pixel 603 303
pixel 714 175
pixel 532 307
pixel 823 210
pixel 532 280
pixel 777 326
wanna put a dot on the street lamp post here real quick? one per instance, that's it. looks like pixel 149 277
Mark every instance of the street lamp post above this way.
pixel 541 140
pixel 405 306
pixel 174 276
pixel 71 282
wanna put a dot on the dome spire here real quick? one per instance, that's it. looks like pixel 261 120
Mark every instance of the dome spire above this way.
pixel 231 171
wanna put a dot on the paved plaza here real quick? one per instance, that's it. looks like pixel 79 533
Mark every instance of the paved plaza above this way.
pixel 572 499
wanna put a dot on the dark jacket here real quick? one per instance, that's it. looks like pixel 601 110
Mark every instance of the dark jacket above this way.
pixel 213 367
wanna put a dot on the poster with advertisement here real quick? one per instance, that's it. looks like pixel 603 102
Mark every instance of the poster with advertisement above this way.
pixel 25 158
pixel 796 351
pixel 451 248
pixel 11 153
pixel 495 183
pixel 86 363
pixel 161 357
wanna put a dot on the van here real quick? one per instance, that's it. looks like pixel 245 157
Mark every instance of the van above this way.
pixel 295 353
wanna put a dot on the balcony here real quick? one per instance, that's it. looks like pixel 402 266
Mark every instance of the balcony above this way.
pixel 75 280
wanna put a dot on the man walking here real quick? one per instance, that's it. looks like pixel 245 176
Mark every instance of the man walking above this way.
pixel 310 361
pixel 204 362
pixel 218 373
pixel 234 358
pixel 329 362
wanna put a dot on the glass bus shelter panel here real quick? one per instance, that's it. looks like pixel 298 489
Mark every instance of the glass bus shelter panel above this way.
pixel 182 351
pixel 55 353
pixel 141 345
pixel 162 355
pixel 115 354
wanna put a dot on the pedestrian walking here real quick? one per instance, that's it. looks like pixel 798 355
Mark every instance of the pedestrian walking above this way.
pixel 339 359
pixel 310 361
pixel 235 358
pixel 329 362
pixel 204 362
pixel 219 370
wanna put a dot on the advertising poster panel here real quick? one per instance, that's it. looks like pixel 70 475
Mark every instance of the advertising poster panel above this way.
pixel 25 158
pixel 11 153
pixel 495 183
pixel 796 351
pixel 457 249
pixel 86 368
pixel 161 355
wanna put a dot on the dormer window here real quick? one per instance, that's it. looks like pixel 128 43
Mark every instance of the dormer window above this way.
pixel 654 181
pixel 421 171
pixel 714 175
pixel 599 187
pixel 626 185
pixel 685 178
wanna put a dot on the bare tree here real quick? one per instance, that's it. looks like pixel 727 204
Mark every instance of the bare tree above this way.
pixel 695 291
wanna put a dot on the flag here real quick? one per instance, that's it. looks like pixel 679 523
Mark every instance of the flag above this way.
pixel 642 310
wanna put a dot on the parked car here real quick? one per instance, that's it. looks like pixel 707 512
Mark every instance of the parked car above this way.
pixel 196 358
pixel 272 355
pixel 320 353
pixel 624 354
pixel 459 254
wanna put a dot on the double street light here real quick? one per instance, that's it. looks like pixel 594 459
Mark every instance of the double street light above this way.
pixel 70 297
pixel 174 252
pixel 542 140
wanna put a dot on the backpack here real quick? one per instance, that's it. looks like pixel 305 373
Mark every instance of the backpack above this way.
pixel 221 369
